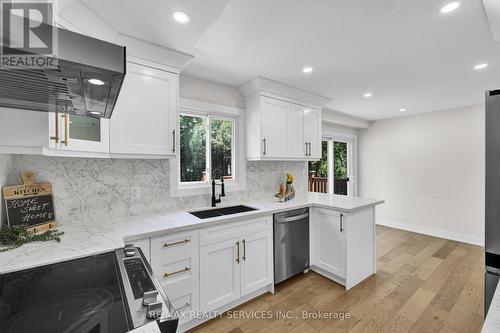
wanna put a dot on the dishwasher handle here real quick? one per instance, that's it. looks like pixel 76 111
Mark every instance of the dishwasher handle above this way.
pixel 292 218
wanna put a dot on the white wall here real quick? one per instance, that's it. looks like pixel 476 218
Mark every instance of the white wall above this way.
pixel 430 170
pixel 208 91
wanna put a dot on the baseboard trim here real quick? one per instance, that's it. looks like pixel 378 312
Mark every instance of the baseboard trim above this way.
pixel 433 232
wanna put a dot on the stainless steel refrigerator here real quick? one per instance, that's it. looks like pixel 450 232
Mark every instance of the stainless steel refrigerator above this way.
pixel 492 213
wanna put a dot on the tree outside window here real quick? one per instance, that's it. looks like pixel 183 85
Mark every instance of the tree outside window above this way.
pixel 198 161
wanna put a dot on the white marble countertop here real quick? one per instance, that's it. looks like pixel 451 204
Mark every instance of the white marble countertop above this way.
pixel 492 321
pixel 81 240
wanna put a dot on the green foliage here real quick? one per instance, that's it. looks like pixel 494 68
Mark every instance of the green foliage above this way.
pixel 193 147
pixel 340 161
pixel 15 236
pixel 321 167
pixel 222 136
pixel 193 144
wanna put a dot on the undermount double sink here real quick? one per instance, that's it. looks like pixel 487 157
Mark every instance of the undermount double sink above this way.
pixel 217 212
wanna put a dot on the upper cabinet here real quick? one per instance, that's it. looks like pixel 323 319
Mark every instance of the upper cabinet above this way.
pixel 143 123
pixel 145 116
pixel 283 123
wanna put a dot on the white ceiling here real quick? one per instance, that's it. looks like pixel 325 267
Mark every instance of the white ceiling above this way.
pixel 406 52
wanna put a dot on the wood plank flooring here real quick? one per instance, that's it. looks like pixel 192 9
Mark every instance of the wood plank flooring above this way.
pixel 423 284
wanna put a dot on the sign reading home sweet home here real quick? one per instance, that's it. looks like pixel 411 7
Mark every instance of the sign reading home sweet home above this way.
pixel 30 204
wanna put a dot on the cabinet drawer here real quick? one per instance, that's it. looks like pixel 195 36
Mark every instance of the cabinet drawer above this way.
pixel 178 271
pixel 173 243
pixel 184 301
pixel 227 231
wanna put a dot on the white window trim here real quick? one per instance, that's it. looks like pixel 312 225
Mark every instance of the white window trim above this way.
pixel 352 158
pixel 194 107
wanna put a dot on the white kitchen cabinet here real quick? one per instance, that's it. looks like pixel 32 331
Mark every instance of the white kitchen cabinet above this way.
pixel 328 241
pixel 144 245
pixel 288 131
pixel 219 274
pixel 274 133
pixel 144 120
pixel 343 245
pixel 282 122
pixel 257 265
pixel 312 132
pixel 76 133
pixel 236 266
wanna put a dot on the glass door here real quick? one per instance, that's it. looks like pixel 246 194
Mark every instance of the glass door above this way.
pixel 340 168
pixel 333 172
pixel 82 133
pixel 318 171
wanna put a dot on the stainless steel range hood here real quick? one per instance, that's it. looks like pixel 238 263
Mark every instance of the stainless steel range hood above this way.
pixel 71 86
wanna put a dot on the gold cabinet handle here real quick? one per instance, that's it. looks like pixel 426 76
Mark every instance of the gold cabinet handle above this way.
pixel 238 251
pixel 55 137
pixel 244 250
pixel 176 243
pixel 65 141
pixel 173 141
pixel 185 269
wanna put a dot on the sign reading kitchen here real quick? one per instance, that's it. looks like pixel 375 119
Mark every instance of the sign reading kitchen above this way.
pixel 30 204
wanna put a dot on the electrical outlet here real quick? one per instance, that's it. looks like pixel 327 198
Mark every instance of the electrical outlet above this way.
pixel 135 193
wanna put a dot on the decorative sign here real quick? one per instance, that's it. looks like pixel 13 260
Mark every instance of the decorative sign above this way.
pixel 30 204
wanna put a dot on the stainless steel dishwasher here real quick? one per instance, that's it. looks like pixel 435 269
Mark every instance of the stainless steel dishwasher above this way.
pixel 291 243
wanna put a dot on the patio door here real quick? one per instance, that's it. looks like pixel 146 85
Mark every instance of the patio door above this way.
pixel 334 173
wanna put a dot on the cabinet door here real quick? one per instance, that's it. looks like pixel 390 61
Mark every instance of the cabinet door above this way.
pixel 329 242
pixel 79 133
pixel 145 116
pixel 257 261
pixel 295 131
pixel 312 132
pixel 219 274
pixel 274 127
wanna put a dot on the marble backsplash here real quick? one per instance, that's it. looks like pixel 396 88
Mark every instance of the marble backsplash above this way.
pixel 93 190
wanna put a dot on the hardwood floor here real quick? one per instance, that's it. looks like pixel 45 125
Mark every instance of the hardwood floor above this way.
pixel 423 284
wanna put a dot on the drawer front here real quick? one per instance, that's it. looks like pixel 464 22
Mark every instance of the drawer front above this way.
pixel 175 259
pixel 227 231
pixel 175 272
pixel 171 243
pixel 185 301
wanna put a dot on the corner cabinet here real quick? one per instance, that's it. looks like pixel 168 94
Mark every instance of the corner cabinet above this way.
pixel 343 245
pixel 144 120
pixel 282 130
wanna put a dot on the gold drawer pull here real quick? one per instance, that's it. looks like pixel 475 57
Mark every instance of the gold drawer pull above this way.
pixel 176 243
pixel 185 269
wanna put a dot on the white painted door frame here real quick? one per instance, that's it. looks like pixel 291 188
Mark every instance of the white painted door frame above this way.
pixel 352 159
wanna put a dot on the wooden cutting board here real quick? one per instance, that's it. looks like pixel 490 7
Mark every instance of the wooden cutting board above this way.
pixel 30 204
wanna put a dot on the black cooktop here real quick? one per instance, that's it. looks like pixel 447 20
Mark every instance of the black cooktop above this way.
pixel 82 295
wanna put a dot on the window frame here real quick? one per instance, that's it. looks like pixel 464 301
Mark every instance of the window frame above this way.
pixel 238 164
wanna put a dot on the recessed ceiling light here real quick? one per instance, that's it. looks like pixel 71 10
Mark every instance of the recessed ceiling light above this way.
pixel 307 69
pixel 402 110
pixel 96 82
pixel 367 95
pixel 452 6
pixel 480 66
pixel 181 17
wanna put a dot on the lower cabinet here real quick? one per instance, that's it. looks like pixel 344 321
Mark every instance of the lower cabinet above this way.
pixel 209 268
pixel 235 267
pixel 220 275
pixel 328 241
pixel 343 245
